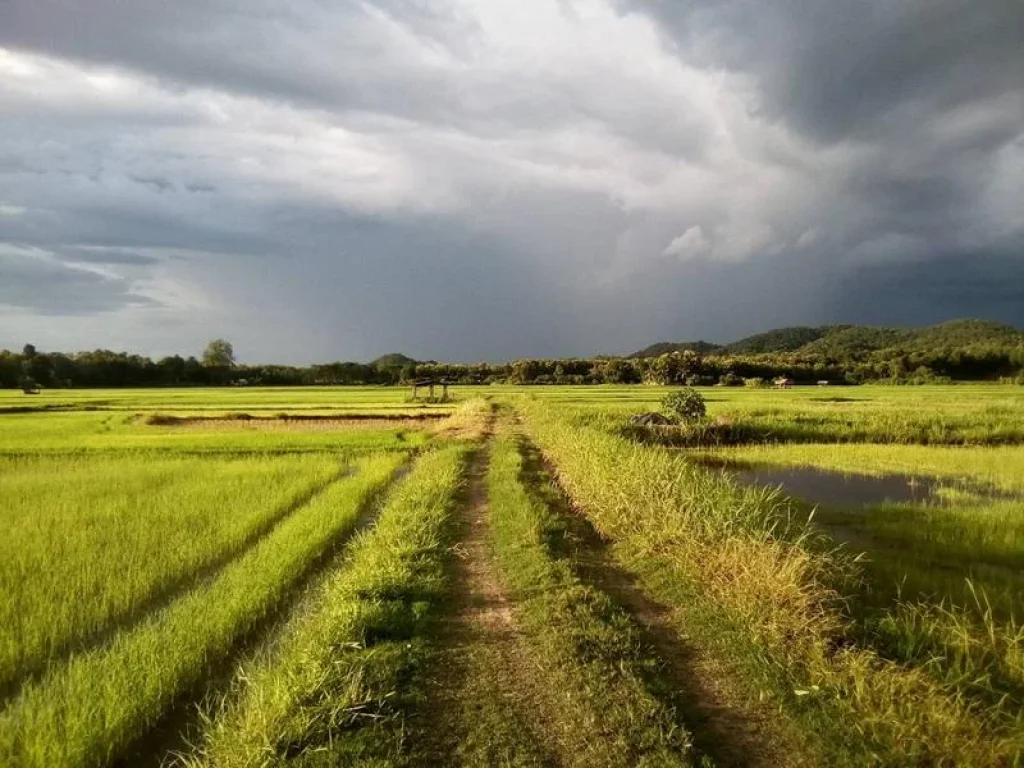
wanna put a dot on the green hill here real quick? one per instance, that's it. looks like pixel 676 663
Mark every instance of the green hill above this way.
pixel 855 342
pixel 966 333
pixel 393 360
pixel 665 347
pixel 778 340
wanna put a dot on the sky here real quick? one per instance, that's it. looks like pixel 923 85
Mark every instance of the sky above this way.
pixel 482 180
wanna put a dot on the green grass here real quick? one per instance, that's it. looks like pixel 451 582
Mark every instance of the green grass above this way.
pixel 955 414
pixel 765 582
pixel 980 414
pixel 335 688
pixel 73 433
pixel 929 549
pixel 943 583
pixel 114 534
pixel 983 542
pixel 90 710
pixel 221 399
pixel 161 554
pixel 584 646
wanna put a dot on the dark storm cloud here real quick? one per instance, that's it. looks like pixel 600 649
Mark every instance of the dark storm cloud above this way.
pixel 926 95
pixel 987 285
pixel 849 68
pixel 477 179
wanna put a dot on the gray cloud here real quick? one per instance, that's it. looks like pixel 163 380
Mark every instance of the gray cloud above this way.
pixel 851 68
pixel 475 179
pixel 93 255
pixel 29 279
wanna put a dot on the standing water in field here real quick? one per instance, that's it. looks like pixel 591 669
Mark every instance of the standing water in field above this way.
pixel 839 490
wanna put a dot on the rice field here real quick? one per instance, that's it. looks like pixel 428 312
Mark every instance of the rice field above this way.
pixel 339 576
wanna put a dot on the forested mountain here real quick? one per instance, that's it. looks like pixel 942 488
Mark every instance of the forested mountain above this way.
pixel 779 340
pixel 853 342
pixel 665 347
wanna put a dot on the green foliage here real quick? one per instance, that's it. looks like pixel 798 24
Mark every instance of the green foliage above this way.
pixel 686 405
pixel 961 350
pixel 668 347
pixel 219 354
pixel 779 340
pixel 854 342
pixel 619 371
pixel 393 360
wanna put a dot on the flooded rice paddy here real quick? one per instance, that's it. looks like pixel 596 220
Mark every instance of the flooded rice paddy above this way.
pixel 845 491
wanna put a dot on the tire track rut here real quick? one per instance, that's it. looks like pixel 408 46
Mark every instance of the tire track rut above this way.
pixel 721 731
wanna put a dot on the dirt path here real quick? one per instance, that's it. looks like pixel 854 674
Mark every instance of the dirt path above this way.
pixel 720 730
pixel 483 706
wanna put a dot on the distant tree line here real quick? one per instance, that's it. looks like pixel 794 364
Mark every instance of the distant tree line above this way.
pixel 217 367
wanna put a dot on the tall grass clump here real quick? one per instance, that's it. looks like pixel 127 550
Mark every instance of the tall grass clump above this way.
pixel 771 597
pixel 89 710
pixel 584 647
pixel 966 646
pixel 333 688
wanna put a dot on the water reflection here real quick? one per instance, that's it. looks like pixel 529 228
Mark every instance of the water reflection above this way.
pixel 838 490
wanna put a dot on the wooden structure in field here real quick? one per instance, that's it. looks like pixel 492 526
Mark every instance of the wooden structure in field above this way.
pixel 429 384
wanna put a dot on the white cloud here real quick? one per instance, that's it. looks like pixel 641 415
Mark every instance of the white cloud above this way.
pixel 808 238
pixel 689 245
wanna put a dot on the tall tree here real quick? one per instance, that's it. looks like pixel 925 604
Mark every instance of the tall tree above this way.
pixel 219 354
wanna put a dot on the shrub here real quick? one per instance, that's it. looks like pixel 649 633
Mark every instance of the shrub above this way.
pixel 685 404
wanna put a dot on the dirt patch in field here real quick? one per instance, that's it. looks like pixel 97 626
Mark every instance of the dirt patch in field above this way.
pixel 484 706
pixel 303 423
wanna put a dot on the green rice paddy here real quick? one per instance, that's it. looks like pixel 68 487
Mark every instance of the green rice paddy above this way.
pixel 258 576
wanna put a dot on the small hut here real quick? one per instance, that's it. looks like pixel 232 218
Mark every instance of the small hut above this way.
pixel 429 385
